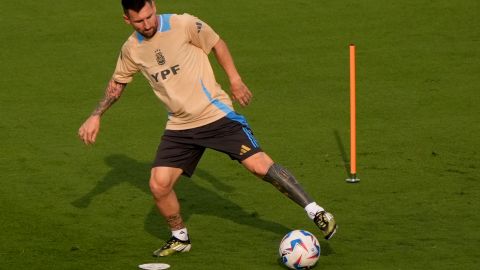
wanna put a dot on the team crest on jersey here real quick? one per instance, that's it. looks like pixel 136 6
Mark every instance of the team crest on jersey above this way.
pixel 159 56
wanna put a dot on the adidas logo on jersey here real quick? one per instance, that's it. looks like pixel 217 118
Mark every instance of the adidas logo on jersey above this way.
pixel 244 149
pixel 199 26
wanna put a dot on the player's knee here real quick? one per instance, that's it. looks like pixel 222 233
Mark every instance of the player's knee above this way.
pixel 160 186
pixel 258 164
pixel 261 169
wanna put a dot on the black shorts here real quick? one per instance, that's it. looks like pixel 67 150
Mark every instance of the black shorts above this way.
pixel 184 148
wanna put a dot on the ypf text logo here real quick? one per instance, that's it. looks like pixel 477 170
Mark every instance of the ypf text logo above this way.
pixel 166 73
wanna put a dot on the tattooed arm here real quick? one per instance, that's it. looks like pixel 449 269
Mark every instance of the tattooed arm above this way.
pixel 112 94
pixel 89 129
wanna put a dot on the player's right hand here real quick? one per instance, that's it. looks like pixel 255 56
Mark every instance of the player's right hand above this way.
pixel 89 129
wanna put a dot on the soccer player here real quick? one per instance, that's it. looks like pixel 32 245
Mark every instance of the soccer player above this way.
pixel 172 51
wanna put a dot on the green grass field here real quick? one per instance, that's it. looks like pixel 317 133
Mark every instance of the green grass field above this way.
pixel 67 206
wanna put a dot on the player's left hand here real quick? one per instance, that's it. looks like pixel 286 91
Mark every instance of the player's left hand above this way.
pixel 240 92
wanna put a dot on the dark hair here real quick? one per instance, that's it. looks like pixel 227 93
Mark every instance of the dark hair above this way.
pixel 135 5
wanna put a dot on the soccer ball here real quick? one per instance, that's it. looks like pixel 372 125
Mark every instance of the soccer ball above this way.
pixel 299 249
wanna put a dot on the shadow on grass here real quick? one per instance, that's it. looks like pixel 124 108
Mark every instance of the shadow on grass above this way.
pixel 194 199
pixel 341 148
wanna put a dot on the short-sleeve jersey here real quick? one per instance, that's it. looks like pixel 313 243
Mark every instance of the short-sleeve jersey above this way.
pixel 175 63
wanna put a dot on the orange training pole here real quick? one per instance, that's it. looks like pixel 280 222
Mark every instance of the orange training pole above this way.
pixel 353 125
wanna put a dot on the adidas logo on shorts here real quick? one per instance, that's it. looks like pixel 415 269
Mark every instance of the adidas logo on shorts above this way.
pixel 244 149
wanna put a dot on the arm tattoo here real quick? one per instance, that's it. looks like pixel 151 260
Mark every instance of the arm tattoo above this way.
pixel 112 94
pixel 175 222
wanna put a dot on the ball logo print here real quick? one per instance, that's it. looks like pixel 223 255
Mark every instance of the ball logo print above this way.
pixel 299 249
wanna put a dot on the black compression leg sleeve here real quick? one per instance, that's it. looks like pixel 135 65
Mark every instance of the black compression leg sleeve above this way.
pixel 284 181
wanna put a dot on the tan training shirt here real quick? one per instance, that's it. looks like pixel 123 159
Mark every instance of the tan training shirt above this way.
pixel 175 63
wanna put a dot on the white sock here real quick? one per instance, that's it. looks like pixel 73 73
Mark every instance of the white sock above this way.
pixel 181 234
pixel 312 209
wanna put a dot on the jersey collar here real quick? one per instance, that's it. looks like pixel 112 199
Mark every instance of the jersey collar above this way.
pixel 163 26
